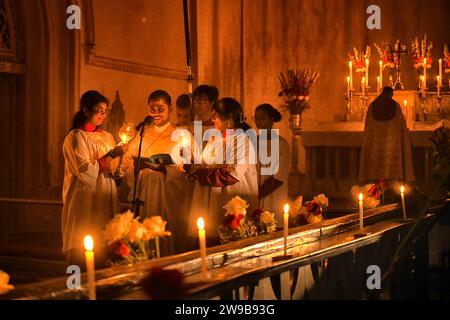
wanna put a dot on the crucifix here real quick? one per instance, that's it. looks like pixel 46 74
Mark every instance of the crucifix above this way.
pixel 399 49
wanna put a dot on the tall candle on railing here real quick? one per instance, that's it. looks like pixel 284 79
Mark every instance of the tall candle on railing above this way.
pixel 350 71
pixel 367 72
pixel 202 241
pixel 286 226
pixel 425 73
pixel 402 194
pixel 348 87
pixel 90 265
pixel 361 212
pixel 381 74
pixel 440 72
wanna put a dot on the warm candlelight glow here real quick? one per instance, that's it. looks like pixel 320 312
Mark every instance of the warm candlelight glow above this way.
pixel 405 102
pixel 88 243
pixel 286 208
pixel 402 189
pixel 200 223
pixel 360 197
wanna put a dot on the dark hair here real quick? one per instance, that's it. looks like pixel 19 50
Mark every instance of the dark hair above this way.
pixel 183 101
pixel 270 110
pixel 204 90
pixel 89 100
pixel 160 94
pixel 229 108
pixel 388 90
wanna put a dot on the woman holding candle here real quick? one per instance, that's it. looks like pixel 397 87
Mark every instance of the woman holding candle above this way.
pixel 89 190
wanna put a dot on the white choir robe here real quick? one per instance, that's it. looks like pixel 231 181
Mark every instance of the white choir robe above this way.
pixel 208 201
pixel 275 201
pixel 89 197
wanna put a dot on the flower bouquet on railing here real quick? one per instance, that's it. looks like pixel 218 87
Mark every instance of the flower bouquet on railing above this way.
pixel 373 194
pixel 238 224
pixel 312 212
pixel 421 51
pixel 129 240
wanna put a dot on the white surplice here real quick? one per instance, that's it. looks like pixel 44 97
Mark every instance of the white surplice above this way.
pixel 89 197
pixel 274 202
pixel 208 201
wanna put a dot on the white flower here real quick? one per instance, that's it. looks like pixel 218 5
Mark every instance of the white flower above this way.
pixel 267 217
pixel 118 227
pixel 156 227
pixel 322 200
pixel 137 231
pixel 236 206
pixel 371 202
pixel 4 283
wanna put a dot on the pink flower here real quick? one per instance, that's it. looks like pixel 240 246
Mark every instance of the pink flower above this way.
pixel 121 249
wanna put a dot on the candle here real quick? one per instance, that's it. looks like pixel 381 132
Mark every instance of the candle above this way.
pixel 363 85
pixel 440 72
pixel 381 74
pixel 348 87
pixel 367 73
pixel 402 194
pixel 391 81
pixel 350 71
pixel 286 226
pixel 405 103
pixel 90 265
pixel 378 84
pixel 438 86
pixel 424 73
pixel 361 212
pixel 202 240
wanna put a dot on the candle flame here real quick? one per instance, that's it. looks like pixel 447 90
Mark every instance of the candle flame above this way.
pixel 88 243
pixel 405 102
pixel 402 189
pixel 200 223
pixel 286 208
pixel 360 197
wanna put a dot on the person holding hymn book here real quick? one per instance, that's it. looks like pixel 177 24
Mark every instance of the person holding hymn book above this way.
pixel 89 190
pixel 273 184
pixel 226 168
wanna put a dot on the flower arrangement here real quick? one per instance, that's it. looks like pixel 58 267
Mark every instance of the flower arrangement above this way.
pixel 312 212
pixel 373 193
pixel 129 240
pixel 421 51
pixel 4 283
pixel 386 55
pixel 359 59
pixel 238 225
pixel 295 89
pixel 446 59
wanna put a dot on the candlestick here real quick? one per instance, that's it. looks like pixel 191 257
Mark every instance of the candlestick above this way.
pixel 440 72
pixel 425 73
pixel 402 194
pixel 367 73
pixel 90 265
pixel 286 226
pixel 350 71
pixel 381 74
pixel 202 240
pixel 361 212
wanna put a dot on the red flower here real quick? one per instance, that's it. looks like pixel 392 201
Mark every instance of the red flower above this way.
pixel 314 207
pixel 236 222
pixel 121 249
pixel 163 284
pixel 429 60
pixel 257 214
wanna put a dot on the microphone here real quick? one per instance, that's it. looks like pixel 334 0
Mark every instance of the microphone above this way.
pixel 147 121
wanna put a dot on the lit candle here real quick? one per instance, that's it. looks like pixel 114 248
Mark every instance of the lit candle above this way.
pixel 350 71
pixel 405 103
pixel 391 81
pixel 361 212
pixel 367 72
pixel 202 240
pixel 90 265
pixel 440 72
pixel 425 73
pixel 363 85
pixel 402 194
pixel 348 87
pixel 378 84
pixel 286 226
pixel 381 74
pixel 422 81
pixel 438 86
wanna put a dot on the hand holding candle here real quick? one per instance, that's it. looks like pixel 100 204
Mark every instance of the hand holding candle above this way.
pixel 90 265
pixel 202 240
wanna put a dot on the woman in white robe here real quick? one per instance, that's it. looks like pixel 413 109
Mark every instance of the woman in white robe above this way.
pixel 273 168
pixel 89 191
pixel 228 169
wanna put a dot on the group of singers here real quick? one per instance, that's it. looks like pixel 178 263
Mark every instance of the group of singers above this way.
pixel 178 193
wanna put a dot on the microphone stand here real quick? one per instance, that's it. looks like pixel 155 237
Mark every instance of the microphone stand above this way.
pixel 136 204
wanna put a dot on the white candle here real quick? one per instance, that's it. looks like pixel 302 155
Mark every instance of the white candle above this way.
pixel 90 265
pixel 391 81
pixel 286 226
pixel 381 74
pixel 363 85
pixel 378 84
pixel 425 73
pixel 361 212
pixel 440 72
pixel 402 194
pixel 202 240
pixel 438 86
pixel 367 72
pixel 348 87
pixel 350 71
